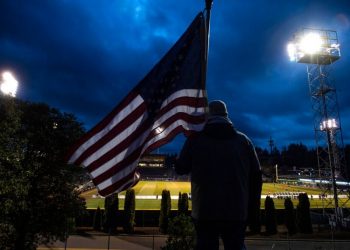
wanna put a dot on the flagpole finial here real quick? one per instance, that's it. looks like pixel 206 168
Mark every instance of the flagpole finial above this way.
pixel 208 4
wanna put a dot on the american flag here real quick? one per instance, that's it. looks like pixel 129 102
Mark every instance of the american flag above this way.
pixel 171 99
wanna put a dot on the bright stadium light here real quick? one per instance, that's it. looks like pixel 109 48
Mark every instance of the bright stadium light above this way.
pixel 314 47
pixel 328 124
pixel 9 84
pixel 311 43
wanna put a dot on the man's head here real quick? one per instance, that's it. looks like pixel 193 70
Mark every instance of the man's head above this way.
pixel 217 108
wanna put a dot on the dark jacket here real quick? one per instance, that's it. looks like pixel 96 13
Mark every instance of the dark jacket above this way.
pixel 225 173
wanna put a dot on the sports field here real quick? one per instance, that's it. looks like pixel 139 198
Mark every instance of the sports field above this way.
pixel 149 194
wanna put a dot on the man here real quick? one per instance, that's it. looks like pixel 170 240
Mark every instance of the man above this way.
pixel 225 181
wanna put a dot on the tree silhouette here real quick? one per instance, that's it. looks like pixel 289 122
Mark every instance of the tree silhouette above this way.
pixel 111 216
pixel 164 211
pixel 303 214
pixel 38 189
pixel 289 216
pixel 270 216
pixel 129 211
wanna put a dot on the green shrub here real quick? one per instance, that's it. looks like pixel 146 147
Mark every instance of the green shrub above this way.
pixel 289 216
pixel 97 223
pixel 129 211
pixel 183 203
pixel 181 233
pixel 111 217
pixel 270 216
pixel 164 211
pixel 303 214
pixel 179 205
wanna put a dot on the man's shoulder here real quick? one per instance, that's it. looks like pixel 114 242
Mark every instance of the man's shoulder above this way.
pixel 243 137
pixel 241 134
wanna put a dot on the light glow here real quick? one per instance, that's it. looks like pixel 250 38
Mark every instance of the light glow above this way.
pixel 292 51
pixel 9 84
pixel 159 130
pixel 311 43
pixel 328 124
pixel 314 46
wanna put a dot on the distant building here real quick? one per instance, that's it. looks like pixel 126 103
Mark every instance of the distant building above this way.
pixel 157 166
pixel 152 161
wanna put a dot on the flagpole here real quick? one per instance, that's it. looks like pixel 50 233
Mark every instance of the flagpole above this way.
pixel 208 5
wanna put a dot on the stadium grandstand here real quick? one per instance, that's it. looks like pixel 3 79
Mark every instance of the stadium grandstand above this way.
pixel 157 167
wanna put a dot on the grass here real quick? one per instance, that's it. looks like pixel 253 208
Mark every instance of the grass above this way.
pixel 153 188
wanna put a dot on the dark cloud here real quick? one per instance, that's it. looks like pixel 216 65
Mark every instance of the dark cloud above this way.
pixel 84 56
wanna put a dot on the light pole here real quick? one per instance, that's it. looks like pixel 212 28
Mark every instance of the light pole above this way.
pixel 319 49
pixel 8 84
pixel 329 127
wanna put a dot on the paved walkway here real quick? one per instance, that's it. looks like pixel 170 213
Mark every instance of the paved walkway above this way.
pixel 141 242
pixel 95 242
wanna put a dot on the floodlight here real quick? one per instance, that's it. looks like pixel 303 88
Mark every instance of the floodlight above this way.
pixel 311 43
pixel 329 124
pixel 9 84
pixel 314 47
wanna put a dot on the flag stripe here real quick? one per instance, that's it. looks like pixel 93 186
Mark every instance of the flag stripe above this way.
pixel 198 93
pixel 170 136
pixel 109 135
pixel 178 120
pixel 106 170
pixel 118 157
pixel 115 143
pixel 114 136
pixel 185 101
pixel 115 140
pixel 122 145
pixel 129 147
pixel 117 170
pixel 109 122
pixel 169 120
pixel 120 174
pixel 118 186
pixel 180 109
pixel 123 173
pixel 140 132
pixel 118 177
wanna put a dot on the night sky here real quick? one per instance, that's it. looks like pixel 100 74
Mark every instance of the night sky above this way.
pixel 84 56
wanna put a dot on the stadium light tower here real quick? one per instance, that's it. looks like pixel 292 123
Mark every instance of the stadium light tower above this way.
pixel 8 84
pixel 319 49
